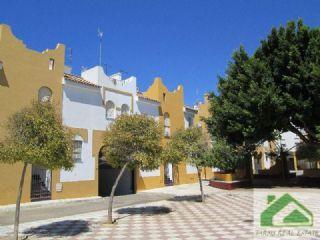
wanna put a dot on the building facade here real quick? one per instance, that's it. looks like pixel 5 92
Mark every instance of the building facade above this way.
pixel 264 163
pixel 26 76
pixel 87 104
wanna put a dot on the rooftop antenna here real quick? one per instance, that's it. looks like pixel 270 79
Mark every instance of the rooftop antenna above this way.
pixel 100 35
pixel 106 68
pixel 70 56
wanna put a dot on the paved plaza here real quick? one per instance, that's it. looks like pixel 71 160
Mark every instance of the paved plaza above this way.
pixel 225 215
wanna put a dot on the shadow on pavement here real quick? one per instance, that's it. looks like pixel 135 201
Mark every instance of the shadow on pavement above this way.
pixel 59 229
pixel 150 210
pixel 189 198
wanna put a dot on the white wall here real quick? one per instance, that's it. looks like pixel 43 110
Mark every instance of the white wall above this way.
pixel 83 170
pixel 151 109
pixel 118 99
pixel 82 107
pixel 191 169
pixel 97 76
pixel 148 108
pixel 153 173
pixel 290 140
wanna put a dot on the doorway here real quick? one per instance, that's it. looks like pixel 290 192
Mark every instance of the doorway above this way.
pixel 168 174
pixel 108 175
pixel 40 184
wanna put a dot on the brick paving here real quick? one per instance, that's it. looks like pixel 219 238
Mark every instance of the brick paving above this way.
pixel 225 215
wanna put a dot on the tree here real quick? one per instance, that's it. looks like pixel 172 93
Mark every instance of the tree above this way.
pixel 35 135
pixel 310 151
pixel 132 141
pixel 190 146
pixel 226 157
pixel 275 90
pixel 292 55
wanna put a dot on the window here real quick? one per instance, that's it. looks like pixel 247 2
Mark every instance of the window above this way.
pixel 166 120
pixel 110 110
pixel 166 125
pixel 124 109
pixel 77 149
pixel 51 64
pixel 164 97
pixel 44 94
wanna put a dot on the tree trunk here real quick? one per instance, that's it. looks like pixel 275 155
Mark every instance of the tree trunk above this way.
pixel 114 187
pixel 17 214
pixel 200 182
pixel 283 159
pixel 250 170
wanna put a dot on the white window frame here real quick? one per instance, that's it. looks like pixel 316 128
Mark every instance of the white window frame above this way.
pixel 110 110
pixel 77 149
pixel 167 130
pixel 125 109
pixel 51 64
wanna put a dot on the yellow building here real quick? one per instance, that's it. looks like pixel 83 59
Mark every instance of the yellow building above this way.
pixel 24 76
pixel 174 115
pixel 27 75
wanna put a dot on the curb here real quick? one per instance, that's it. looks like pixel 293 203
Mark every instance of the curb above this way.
pixel 58 202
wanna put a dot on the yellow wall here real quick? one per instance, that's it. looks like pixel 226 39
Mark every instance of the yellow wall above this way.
pixel 172 104
pixel 143 183
pixel 24 72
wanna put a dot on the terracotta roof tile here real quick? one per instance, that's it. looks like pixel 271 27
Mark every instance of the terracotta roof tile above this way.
pixel 79 79
pixel 140 95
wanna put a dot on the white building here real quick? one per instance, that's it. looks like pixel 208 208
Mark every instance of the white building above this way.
pixel 189 115
pixel 288 141
pixel 90 104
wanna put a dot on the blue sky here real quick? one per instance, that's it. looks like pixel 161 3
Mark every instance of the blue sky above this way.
pixel 185 42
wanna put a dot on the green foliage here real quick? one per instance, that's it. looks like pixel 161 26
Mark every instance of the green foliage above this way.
pixel 133 139
pixel 226 157
pixel 277 89
pixel 247 106
pixel 292 54
pixel 188 145
pixel 35 135
pixel 310 151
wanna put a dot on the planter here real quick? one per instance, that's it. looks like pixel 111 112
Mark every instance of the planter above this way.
pixel 227 177
pixel 229 181
pixel 229 185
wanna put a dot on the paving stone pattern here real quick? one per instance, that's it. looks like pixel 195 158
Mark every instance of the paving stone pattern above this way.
pixel 223 216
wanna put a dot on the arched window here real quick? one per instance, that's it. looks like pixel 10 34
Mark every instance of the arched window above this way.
pixel 124 109
pixel 110 110
pixel 166 124
pixel 44 94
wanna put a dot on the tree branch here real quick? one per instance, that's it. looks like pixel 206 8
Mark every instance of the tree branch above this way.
pixel 295 130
